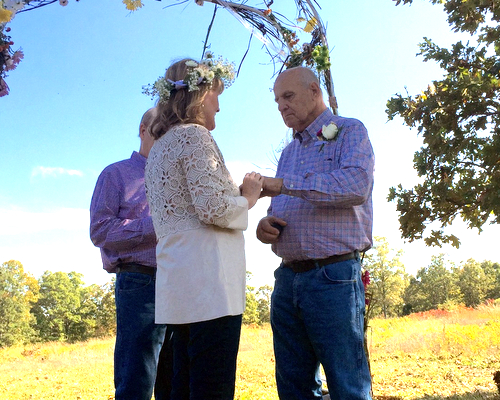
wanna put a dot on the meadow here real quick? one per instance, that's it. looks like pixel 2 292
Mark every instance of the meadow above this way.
pixel 434 355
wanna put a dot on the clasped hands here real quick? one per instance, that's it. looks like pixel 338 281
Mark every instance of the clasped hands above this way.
pixel 268 187
pixel 256 186
pixel 271 187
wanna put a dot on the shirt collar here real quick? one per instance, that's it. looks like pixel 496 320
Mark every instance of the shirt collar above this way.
pixel 311 131
pixel 138 158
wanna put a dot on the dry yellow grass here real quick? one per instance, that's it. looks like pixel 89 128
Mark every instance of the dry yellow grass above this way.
pixel 430 356
pixel 255 375
pixel 85 370
pixel 58 371
pixel 437 354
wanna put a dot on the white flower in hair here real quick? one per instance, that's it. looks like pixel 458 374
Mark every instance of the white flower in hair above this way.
pixel 198 73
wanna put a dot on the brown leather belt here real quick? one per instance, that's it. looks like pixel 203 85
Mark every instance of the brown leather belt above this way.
pixel 307 265
pixel 134 267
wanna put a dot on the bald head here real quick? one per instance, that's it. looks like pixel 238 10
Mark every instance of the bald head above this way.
pixel 148 116
pixel 299 97
pixel 301 74
pixel 146 139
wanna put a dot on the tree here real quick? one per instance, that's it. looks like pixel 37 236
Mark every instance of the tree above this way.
pixel 388 279
pixel 459 120
pixel 18 291
pixel 105 315
pixel 492 276
pixel 58 311
pixel 472 283
pixel 433 287
pixel 264 303
pixel 97 312
pixel 251 314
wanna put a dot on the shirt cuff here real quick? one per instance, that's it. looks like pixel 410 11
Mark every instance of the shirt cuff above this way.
pixel 286 190
pixel 239 219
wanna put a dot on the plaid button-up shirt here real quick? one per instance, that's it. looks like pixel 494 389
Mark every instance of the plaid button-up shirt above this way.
pixel 327 192
pixel 120 222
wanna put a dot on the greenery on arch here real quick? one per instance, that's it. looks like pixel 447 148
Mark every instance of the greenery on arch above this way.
pixel 280 35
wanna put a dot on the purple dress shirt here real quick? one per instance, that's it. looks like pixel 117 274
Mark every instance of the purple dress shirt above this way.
pixel 120 222
pixel 327 192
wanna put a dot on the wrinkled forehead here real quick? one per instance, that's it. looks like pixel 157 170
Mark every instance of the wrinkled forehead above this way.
pixel 286 84
pixel 281 80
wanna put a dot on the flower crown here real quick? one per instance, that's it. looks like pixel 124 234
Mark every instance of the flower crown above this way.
pixel 198 74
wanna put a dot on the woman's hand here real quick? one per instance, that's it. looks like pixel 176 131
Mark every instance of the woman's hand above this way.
pixel 251 187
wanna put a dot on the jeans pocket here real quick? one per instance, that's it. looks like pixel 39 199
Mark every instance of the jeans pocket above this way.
pixel 132 281
pixel 341 272
pixel 277 271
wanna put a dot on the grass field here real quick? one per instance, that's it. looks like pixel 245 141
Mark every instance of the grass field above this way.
pixel 434 355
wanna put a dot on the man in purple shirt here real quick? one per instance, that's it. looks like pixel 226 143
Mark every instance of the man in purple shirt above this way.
pixel 121 226
pixel 319 221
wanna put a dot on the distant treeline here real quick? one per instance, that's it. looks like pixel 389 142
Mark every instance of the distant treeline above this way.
pixel 60 307
pixel 56 307
pixel 440 285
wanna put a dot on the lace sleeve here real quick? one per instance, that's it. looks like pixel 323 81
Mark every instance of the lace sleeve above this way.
pixel 212 190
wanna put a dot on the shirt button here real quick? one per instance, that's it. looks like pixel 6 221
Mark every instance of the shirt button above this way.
pixel 302 162
pixel 291 186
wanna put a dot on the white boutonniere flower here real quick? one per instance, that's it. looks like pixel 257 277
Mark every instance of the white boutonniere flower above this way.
pixel 328 132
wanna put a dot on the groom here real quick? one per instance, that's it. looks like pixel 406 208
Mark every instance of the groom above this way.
pixel 319 221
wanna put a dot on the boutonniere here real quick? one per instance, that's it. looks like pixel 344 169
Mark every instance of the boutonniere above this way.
pixel 328 133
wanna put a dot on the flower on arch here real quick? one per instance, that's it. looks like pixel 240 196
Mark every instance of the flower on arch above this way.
pixel 5 15
pixel 132 5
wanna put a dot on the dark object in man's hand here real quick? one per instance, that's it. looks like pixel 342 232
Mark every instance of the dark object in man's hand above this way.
pixel 277 226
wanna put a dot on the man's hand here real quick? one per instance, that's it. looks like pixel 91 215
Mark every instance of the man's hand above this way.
pixel 266 232
pixel 271 187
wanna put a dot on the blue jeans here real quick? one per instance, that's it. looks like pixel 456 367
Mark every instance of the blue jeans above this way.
pixel 139 340
pixel 317 318
pixel 205 355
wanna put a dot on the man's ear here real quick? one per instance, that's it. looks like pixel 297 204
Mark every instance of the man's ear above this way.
pixel 142 130
pixel 315 89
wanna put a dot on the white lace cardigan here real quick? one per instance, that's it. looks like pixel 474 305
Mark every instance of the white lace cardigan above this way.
pixel 198 215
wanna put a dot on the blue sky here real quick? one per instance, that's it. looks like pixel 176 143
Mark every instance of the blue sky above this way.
pixel 76 101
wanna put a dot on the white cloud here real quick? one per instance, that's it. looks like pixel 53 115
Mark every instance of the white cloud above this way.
pixel 56 240
pixel 54 172
pixel 64 252
pixel 17 221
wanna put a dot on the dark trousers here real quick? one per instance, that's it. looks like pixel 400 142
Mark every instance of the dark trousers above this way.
pixel 205 356
pixel 165 370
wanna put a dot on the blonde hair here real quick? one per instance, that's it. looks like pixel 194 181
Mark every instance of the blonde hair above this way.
pixel 183 106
